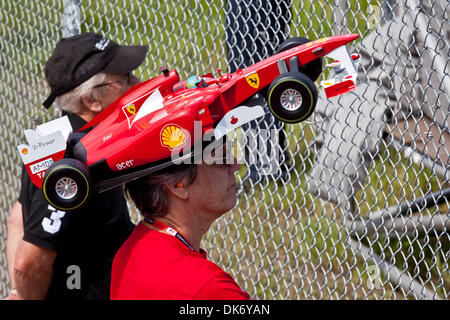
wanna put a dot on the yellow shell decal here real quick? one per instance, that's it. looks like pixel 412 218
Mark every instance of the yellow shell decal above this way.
pixel 131 109
pixel 253 80
pixel 309 44
pixel 25 151
pixel 172 136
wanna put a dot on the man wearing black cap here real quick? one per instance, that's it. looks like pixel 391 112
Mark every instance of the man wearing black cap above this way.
pixel 66 255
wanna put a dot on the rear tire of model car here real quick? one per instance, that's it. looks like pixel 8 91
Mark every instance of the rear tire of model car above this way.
pixel 312 69
pixel 67 184
pixel 292 97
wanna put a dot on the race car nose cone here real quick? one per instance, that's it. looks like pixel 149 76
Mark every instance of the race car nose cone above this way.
pixel 353 36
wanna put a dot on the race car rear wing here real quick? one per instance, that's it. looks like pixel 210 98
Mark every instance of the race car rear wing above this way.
pixel 345 67
pixel 46 144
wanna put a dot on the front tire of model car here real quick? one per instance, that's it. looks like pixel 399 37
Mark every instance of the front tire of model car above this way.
pixel 67 184
pixel 292 97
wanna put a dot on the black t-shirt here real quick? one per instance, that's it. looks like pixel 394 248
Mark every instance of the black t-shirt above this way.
pixel 86 240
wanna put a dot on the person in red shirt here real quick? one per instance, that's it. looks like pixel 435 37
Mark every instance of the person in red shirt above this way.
pixel 162 258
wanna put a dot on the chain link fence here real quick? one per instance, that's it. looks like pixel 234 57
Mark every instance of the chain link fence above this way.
pixel 358 208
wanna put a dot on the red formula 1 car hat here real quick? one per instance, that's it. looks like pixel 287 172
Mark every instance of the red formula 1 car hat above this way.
pixel 76 59
pixel 157 123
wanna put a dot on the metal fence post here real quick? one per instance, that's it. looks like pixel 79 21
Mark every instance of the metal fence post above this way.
pixel 253 31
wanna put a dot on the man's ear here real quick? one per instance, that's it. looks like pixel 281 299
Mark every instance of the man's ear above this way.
pixel 90 102
pixel 178 190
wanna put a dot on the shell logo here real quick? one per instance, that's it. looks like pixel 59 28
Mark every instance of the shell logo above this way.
pixel 172 136
pixel 309 44
pixel 25 151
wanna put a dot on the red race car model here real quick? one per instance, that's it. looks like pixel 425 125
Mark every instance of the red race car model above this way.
pixel 139 133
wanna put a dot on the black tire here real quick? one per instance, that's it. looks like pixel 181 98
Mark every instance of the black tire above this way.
pixel 70 173
pixel 303 92
pixel 312 69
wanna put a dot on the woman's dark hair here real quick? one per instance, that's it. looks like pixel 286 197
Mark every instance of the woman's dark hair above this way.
pixel 149 192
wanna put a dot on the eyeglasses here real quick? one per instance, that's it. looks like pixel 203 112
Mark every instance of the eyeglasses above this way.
pixel 127 79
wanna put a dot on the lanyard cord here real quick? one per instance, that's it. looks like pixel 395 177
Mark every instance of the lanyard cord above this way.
pixel 164 227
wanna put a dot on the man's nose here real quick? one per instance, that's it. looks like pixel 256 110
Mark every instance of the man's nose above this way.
pixel 235 166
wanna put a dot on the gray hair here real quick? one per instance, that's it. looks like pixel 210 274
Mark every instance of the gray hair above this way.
pixel 71 101
pixel 149 192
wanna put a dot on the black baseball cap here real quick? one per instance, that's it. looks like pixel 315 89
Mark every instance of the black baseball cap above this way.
pixel 76 59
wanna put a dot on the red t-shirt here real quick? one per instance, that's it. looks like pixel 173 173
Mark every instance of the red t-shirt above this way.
pixel 152 265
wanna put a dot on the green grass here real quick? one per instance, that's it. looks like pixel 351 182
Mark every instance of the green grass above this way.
pixel 279 250
pixel 185 35
pixel 392 178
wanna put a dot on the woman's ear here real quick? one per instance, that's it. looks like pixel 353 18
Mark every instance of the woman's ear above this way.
pixel 178 190
pixel 91 103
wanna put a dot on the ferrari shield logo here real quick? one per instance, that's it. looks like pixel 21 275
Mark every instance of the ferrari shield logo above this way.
pixel 253 80
pixel 131 109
